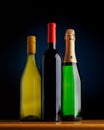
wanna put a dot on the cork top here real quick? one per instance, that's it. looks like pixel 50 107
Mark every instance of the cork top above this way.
pixel 70 34
pixel 31 44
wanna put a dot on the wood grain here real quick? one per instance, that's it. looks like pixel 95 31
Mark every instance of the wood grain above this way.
pixel 81 125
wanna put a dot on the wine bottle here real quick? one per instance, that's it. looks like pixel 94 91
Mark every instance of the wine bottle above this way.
pixel 51 78
pixel 71 85
pixel 30 85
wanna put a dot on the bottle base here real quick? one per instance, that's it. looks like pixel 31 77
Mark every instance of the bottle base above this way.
pixel 70 118
pixel 51 120
pixel 30 118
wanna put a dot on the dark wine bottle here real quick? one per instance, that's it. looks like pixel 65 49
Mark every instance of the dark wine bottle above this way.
pixel 71 88
pixel 51 78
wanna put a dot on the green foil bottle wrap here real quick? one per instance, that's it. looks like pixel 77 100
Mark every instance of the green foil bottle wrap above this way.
pixel 71 83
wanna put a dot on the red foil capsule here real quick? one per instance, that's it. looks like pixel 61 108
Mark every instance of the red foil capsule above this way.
pixel 52 33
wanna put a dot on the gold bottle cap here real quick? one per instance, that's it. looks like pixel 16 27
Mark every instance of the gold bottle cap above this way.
pixel 31 44
pixel 70 34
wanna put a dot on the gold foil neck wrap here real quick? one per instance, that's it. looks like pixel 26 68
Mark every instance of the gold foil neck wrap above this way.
pixel 31 44
pixel 70 34
pixel 70 55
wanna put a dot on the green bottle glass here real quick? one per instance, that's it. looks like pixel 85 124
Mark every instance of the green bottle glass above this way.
pixel 71 84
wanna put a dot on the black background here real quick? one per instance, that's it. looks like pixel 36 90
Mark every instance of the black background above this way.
pixel 18 21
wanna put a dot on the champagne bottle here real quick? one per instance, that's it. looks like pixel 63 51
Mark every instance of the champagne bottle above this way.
pixel 51 78
pixel 30 85
pixel 71 88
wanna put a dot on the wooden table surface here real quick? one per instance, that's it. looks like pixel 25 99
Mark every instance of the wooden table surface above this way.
pixel 81 125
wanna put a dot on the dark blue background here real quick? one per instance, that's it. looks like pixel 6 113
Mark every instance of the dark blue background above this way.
pixel 17 25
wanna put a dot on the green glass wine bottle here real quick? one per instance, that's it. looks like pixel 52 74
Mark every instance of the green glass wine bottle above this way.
pixel 71 88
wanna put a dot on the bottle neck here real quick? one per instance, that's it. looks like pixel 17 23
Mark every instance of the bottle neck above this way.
pixel 70 55
pixel 31 57
pixel 51 46
pixel 51 35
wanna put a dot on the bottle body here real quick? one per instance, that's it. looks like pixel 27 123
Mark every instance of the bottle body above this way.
pixel 30 91
pixel 51 82
pixel 71 92
pixel 71 87
pixel 51 86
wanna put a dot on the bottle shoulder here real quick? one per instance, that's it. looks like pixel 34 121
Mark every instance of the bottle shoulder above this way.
pixel 31 68
pixel 52 53
pixel 73 66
